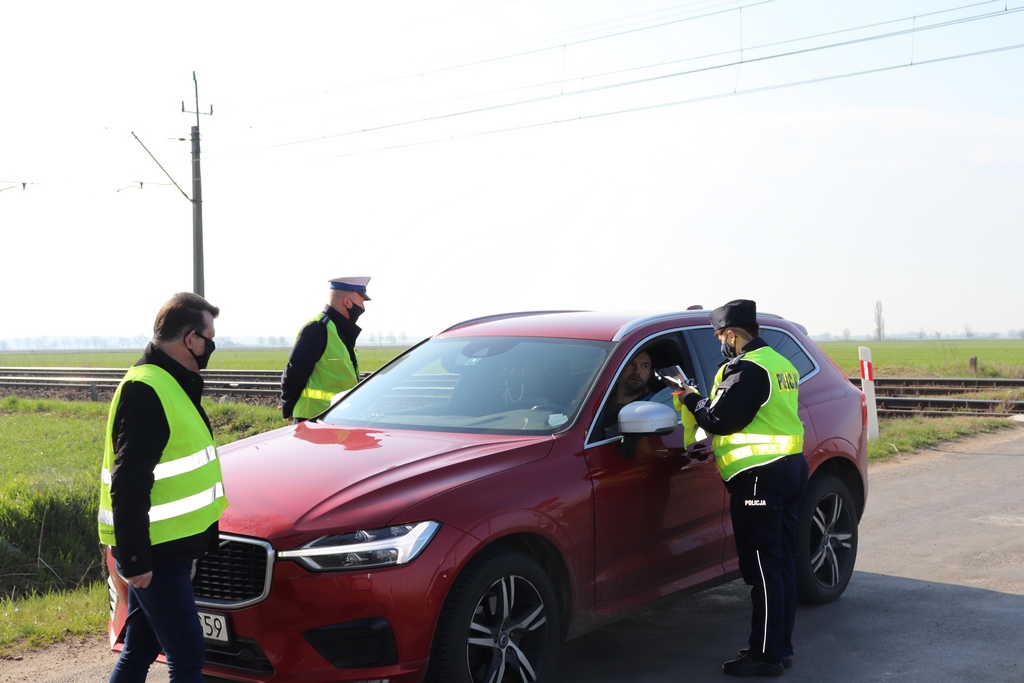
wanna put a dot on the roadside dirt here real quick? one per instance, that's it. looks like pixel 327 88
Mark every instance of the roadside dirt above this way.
pixel 69 660
pixel 57 662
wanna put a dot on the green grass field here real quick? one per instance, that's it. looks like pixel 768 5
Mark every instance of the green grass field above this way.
pixel 933 358
pixel 370 358
pixel 922 358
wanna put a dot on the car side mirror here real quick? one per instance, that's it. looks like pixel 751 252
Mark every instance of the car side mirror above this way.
pixel 644 418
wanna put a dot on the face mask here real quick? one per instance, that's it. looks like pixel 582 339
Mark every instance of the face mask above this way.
pixel 355 312
pixel 728 351
pixel 204 360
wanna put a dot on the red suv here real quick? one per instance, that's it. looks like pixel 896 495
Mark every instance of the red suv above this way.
pixel 474 503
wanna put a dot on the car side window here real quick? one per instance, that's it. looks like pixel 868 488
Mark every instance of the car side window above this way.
pixel 709 353
pixel 708 350
pixel 665 350
pixel 791 350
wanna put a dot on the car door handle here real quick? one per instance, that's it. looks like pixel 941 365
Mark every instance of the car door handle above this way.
pixel 701 453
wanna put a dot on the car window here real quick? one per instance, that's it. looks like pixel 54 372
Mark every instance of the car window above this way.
pixel 709 352
pixel 490 385
pixel 789 348
pixel 665 350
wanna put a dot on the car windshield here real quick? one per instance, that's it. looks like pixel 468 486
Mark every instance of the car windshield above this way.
pixel 487 385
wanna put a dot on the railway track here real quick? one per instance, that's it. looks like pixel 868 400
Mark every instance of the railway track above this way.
pixel 894 397
pixel 932 386
pixel 931 396
pixel 260 387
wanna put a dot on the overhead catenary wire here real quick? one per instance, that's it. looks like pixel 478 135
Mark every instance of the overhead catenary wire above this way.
pixel 564 45
pixel 14 184
pixel 704 98
pixel 735 63
pixel 711 55
pixel 547 48
pixel 660 77
pixel 574 43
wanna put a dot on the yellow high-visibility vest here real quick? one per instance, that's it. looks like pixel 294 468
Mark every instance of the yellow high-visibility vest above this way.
pixel 188 492
pixel 332 374
pixel 776 430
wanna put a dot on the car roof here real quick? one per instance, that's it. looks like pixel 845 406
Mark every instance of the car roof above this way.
pixel 593 325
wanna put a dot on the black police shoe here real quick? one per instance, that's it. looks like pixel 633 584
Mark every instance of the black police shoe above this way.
pixel 787 660
pixel 748 666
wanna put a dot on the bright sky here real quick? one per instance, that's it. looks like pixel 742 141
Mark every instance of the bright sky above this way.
pixel 485 156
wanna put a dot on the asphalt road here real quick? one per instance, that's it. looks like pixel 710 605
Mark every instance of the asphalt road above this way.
pixel 938 594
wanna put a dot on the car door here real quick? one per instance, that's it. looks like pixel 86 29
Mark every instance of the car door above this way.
pixel 659 513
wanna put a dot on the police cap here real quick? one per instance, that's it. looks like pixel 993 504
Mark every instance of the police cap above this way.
pixel 351 284
pixel 736 313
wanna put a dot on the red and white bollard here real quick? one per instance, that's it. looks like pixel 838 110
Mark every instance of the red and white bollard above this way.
pixel 867 385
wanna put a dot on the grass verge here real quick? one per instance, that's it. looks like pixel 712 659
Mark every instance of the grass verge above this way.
pixel 41 620
pixel 907 435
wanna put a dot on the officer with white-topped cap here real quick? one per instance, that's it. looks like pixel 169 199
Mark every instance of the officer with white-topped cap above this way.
pixel 323 361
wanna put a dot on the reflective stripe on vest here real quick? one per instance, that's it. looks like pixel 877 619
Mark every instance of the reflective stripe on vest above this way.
pixel 318 394
pixel 332 374
pixel 160 513
pixel 775 431
pixel 179 466
pixel 188 493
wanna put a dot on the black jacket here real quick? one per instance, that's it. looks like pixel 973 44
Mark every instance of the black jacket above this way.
pixel 140 434
pixel 744 388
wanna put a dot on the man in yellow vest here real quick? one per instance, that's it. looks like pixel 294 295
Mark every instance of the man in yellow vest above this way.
pixel 752 413
pixel 323 360
pixel 161 493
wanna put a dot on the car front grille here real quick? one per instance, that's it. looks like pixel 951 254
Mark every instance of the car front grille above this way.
pixel 236 575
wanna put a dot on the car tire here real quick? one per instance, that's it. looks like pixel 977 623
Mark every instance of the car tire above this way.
pixel 826 547
pixel 500 623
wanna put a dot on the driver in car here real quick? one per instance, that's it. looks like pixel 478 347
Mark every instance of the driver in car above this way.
pixel 632 385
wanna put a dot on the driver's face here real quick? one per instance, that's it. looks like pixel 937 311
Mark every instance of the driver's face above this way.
pixel 636 375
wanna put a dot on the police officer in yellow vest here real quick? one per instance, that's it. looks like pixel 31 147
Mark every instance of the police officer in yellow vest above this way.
pixel 161 493
pixel 758 445
pixel 323 360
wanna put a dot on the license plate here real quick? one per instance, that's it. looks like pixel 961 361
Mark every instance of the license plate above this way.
pixel 215 626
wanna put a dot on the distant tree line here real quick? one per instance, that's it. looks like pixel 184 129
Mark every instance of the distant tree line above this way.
pixel 966 333
pixel 46 343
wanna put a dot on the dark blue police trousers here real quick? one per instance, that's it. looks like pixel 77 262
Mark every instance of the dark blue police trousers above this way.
pixel 765 506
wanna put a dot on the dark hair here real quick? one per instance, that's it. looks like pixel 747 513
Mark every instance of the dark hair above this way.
pixel 180 315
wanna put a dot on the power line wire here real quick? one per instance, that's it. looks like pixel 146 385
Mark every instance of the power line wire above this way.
pixel 558 46
pixel 693 100
pixel 580 92
pixel 704 56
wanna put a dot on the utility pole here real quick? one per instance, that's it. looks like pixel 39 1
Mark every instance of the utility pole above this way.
pixel 198 284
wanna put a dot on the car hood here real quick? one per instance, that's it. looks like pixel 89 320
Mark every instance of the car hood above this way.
pixel 296 483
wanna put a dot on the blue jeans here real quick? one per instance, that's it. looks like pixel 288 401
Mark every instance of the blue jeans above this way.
pixel 162 617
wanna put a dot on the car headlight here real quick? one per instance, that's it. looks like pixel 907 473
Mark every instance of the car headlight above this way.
pixel 364 549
